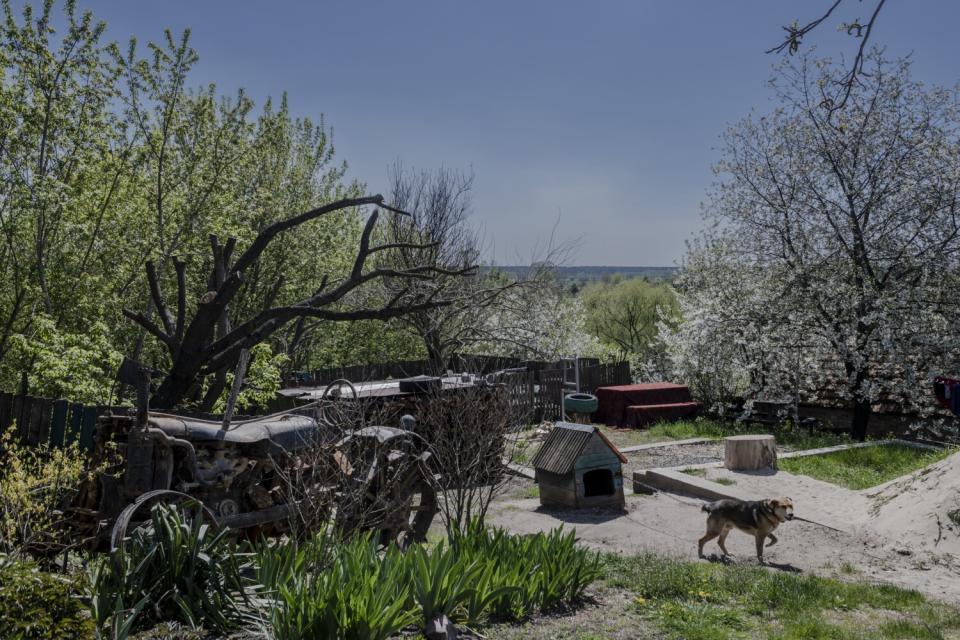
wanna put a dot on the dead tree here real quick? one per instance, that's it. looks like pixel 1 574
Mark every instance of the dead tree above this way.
pixel 439 206
pixel 209 344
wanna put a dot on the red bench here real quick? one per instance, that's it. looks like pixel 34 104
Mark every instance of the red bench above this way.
pixel 634 405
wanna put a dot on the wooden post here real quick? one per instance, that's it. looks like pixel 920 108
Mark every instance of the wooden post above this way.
pixel 238 376
pixel 750 453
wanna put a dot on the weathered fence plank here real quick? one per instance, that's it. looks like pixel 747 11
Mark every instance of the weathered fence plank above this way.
pixel 6 411
pixel 22 406
pixel 88 426
pixel 39 425
pixel 76 422
pixel 58 422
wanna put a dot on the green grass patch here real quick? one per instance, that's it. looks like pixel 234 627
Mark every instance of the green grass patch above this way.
pixel 787 435
pixel 700 600
pixel 864 467
pixel 666 432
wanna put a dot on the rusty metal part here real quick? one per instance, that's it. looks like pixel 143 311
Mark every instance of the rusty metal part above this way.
pixel 119 531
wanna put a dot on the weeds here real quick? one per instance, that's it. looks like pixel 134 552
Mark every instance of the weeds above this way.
pixel 178 569
pixel 359 594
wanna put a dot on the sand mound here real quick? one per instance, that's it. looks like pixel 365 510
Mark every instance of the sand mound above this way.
pixel 915 512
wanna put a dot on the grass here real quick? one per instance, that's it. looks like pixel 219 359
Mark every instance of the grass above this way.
pixel 666 432
pixel 699 600
pixel 794 438
pixel 650 596
pixel 864 467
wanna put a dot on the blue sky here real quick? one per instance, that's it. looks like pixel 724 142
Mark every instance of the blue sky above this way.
pixel 599 116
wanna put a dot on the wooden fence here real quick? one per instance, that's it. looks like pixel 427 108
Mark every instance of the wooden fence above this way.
pixel 538 393
pixel 45 420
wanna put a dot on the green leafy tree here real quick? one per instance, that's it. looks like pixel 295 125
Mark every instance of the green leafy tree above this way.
pixel 624 314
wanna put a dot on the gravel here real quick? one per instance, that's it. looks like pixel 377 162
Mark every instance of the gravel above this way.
pixel 676 455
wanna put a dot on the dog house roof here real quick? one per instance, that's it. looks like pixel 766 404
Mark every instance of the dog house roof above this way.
pixel 564 445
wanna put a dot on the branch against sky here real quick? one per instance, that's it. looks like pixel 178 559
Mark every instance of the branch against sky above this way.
pixel 856 29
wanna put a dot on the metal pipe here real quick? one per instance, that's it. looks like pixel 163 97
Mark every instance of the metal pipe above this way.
pixel 173 442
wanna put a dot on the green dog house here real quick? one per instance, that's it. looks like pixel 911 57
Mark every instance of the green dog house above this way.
pixel 577 466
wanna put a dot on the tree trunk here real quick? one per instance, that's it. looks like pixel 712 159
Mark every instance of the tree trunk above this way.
pixel 750 453
pixel 861 420
pixel 435 356
pixel 861 406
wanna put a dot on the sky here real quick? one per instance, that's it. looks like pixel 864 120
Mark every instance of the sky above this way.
pixel 595 122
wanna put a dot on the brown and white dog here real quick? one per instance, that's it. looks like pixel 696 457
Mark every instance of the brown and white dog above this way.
pixel 756 517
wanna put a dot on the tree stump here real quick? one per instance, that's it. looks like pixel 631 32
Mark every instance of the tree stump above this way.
pixel 750 453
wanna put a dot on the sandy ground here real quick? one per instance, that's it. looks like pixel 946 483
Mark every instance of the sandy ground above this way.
pixel 671 524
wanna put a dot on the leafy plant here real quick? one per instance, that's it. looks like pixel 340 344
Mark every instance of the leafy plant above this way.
pixel 328 588
pixel 36 604
pixel 441 580
pixel 537 572
pixel 174 568
pixel 360 594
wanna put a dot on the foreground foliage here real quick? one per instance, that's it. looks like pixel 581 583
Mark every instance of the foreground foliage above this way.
pixel 41 605
pixel 353 590
pixel 176 569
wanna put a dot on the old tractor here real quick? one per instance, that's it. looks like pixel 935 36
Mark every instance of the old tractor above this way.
pixel 289 472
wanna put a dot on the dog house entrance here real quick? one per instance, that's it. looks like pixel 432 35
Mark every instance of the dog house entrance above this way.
pixel 598 482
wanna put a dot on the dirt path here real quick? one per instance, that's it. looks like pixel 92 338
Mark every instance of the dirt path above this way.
pixel 668 524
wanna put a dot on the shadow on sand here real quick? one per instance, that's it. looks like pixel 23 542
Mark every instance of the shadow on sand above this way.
pixel 583 516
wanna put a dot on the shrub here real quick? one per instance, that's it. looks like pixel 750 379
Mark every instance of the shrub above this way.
pixel 34 484
pixel 36 604
pixel 441 580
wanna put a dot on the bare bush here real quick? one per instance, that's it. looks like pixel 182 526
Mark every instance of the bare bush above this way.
pixel 472 433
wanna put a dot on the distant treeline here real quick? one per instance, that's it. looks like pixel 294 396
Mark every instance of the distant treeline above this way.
pixel 598 273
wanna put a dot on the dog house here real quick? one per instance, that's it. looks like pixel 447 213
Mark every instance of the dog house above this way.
pixel 577 466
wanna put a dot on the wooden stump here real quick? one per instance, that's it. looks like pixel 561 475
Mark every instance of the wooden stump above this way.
pixel 750 453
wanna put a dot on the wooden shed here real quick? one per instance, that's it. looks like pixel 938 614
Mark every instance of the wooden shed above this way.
pixel 577 466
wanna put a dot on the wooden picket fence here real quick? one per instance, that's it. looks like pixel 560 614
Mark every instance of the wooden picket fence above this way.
pixel 45 420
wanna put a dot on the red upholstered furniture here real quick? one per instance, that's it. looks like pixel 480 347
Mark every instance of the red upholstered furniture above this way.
pixel 639 405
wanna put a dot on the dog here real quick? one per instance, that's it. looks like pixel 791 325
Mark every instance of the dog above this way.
pixel 756 517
